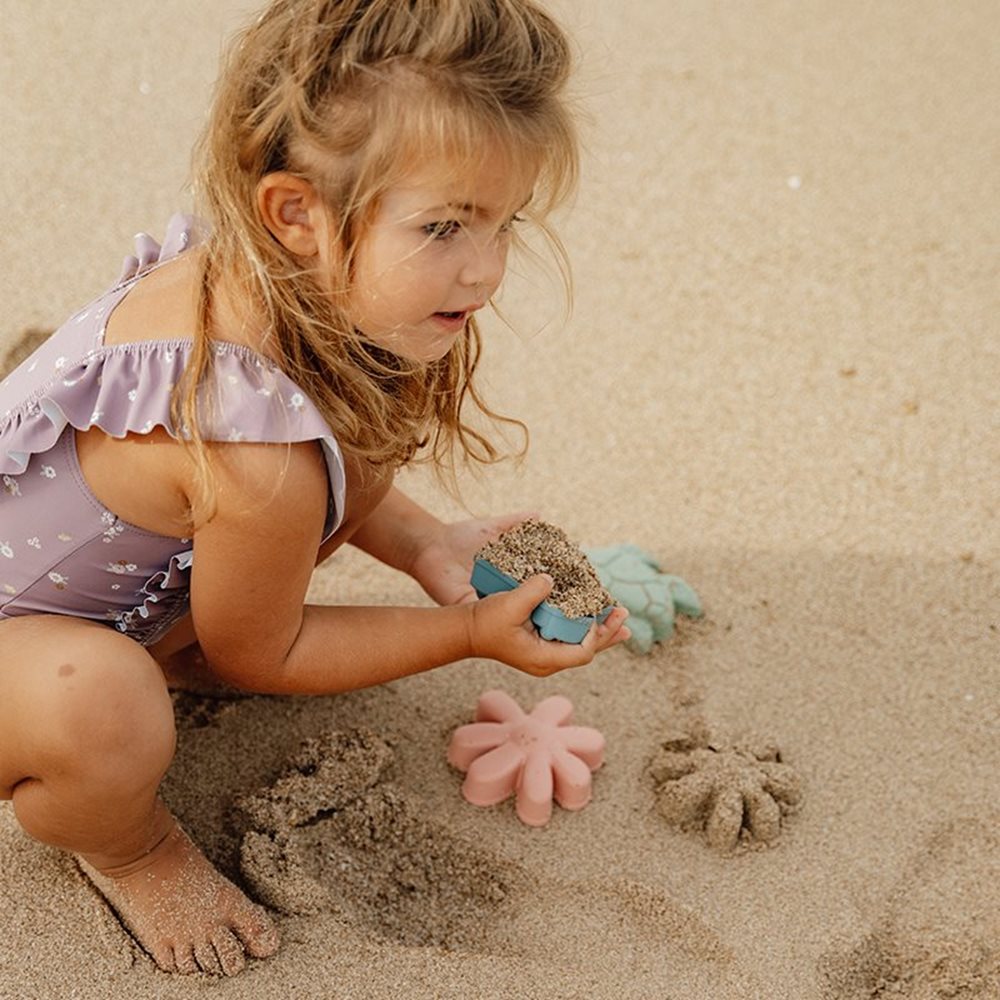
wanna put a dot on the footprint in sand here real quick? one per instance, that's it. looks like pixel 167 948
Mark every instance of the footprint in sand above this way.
pixel 940 934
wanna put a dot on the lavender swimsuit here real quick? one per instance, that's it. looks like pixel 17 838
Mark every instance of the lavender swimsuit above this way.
pixel 61 550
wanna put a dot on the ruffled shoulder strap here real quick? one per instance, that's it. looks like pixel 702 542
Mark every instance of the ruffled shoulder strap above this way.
pixel 73 379
pixel 182 232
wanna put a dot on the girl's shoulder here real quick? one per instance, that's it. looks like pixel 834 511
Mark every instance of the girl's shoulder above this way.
pixel 114 365
pixel 125 384
pixel 82 342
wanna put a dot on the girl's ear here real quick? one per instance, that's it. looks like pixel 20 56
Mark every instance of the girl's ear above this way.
pixel 293 212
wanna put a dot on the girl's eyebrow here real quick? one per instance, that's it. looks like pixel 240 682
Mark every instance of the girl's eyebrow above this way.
pixel 453 206
pixel 450 206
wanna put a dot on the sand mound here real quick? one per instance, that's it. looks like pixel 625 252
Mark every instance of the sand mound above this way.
pixel 535 546
pixel 333 835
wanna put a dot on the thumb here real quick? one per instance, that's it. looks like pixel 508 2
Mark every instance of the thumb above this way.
pixel 534 590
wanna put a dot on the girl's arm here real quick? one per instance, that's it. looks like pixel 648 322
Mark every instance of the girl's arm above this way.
pixel 395 531
pixel 252 565
pixel 439 556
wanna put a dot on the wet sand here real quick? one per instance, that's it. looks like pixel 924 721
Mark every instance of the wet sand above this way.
pixel 780 377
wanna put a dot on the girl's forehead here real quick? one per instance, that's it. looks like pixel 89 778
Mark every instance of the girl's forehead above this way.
pixel 493 186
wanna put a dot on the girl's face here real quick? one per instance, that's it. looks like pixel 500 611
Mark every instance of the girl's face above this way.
pixel 435 253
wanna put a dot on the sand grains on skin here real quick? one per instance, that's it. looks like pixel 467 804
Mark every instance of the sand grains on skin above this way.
pixel 184 913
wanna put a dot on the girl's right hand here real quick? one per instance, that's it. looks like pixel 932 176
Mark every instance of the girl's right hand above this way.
pixel 502 630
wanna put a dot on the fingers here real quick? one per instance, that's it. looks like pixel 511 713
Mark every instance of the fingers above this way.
pixel 554 655
pixel 523 647
pixel 612 630
pixel 549 657
pixel 533 591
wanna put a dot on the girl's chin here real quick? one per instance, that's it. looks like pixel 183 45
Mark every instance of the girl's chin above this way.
pixel 418 350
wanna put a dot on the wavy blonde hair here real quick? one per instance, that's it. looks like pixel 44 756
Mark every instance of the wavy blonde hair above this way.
pixel 350 95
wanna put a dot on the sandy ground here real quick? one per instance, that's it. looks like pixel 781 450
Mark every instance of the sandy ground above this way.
pixel 780 376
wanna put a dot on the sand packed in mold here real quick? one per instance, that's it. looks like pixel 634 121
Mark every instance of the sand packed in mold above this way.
pixel 535 546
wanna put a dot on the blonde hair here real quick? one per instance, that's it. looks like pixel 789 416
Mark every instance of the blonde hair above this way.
pixel 349 95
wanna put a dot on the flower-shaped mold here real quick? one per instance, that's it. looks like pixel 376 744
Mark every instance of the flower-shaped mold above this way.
pixel 735 794
pixel 653 598
pixel 549 620
pixel 535 756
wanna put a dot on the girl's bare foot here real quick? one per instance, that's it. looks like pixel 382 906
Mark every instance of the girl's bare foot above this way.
pixel 184 912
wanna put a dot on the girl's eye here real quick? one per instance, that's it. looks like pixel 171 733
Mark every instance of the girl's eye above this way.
pixel 509 224
pixel 442 230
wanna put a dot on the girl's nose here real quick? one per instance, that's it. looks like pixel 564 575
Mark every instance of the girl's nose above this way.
pixel 486 264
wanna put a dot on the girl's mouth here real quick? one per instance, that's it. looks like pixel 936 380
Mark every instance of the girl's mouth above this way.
pixel 453 322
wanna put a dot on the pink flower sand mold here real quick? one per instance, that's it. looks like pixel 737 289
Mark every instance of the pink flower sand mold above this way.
pixel 535 756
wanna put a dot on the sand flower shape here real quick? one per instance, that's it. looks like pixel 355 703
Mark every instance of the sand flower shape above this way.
pixel 734 793
pixel 536 756
pixel 653 598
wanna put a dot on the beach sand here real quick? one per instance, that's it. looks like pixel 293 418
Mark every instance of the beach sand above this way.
pixel 781 376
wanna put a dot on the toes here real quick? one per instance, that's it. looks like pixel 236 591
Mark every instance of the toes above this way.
pixel 163 956
pixel 184 960
pixel 258 933
pixel 208 960
pixel 229 951
pixel 222 955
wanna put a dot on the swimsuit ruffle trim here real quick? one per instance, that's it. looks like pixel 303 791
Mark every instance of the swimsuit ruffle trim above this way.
pixel 126 388
pixel 169 591
pixel 118 389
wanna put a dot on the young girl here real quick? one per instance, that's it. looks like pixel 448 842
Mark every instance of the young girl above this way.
pixel 181 453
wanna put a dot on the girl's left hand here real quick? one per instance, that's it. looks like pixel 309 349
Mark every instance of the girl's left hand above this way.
pixel 443 562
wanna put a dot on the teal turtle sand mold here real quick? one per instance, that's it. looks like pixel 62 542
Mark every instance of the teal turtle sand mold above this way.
pixel 589 580
pixel 653 598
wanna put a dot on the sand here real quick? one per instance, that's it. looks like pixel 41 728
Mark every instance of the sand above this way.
pixel 780 377
pixel 535 546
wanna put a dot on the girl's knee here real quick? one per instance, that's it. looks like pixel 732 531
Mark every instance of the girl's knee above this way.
pixel 110 704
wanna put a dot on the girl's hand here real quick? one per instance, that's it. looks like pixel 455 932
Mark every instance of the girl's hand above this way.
pixel 442 563
pixel 501 630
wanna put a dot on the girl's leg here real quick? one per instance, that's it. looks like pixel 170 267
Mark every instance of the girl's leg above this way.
pixel 86 735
